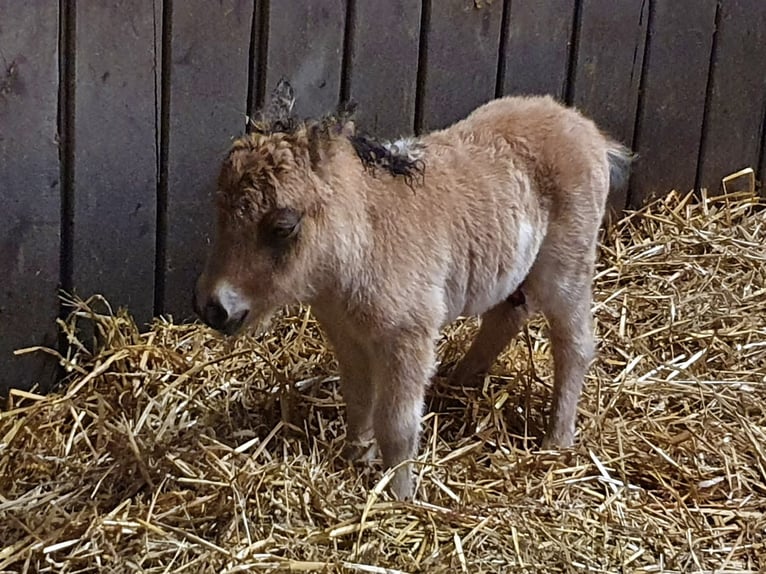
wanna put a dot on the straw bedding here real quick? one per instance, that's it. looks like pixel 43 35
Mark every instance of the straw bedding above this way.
pixel 177 450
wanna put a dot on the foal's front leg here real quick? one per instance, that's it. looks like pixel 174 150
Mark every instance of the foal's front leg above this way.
pixel 359 395
pixel 401 372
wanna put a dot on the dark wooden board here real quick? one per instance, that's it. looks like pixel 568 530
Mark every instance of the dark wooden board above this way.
pixel 463 40
pixel 538 38
pixel 606 78
pixel 673 101
pixel 29 190
pixel 762 163
pixel 306 47
pixel 208 107
pixel 115 168
pixel 383 65
pixel 738 93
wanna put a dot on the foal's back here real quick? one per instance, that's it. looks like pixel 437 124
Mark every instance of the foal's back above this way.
pixel 567 150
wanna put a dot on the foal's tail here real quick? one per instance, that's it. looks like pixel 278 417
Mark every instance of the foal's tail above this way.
pixel 620 159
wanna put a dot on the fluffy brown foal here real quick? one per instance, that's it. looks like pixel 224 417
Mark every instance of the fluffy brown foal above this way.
pixel 496 216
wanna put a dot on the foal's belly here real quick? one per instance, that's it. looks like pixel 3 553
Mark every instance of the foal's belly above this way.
pixel 500 291
pixel 477 294
pixel 472 300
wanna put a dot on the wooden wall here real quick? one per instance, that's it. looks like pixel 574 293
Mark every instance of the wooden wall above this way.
pixel 114 116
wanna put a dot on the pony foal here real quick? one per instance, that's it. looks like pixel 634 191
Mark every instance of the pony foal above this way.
pixel 496 216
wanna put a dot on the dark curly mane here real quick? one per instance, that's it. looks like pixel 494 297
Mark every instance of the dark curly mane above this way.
pixel 400 158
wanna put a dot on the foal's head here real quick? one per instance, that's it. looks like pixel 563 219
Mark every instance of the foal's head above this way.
pixel 272 233
pixel 270 200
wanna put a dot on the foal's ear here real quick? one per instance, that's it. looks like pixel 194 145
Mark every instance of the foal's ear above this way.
pixel 345 125
pixel 318 143
pixel 346 115
pixel 322 138
pixel 281 102
pixel 347 129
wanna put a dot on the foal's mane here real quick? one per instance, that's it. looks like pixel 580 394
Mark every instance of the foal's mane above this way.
pixel 400 158
pixel 403 157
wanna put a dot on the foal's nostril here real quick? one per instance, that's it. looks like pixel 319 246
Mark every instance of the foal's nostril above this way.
pixel 215 315
pixel 235 322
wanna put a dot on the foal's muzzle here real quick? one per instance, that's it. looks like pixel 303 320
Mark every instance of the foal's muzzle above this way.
pixel 215 316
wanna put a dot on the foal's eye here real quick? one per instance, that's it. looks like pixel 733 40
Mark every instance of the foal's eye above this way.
pixel 282 224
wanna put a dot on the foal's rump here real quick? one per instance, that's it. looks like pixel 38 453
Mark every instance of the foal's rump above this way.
pixel 559 139
pixel 536 176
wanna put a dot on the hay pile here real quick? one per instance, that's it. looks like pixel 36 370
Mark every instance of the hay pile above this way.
pixel 178 451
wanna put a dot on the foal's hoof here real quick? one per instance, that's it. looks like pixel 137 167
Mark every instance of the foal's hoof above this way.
pixel 401 484
pixel 552 441
pixel 461 376
pixel 360 451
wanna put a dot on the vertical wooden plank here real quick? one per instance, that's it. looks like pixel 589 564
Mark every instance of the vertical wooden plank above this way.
pixel 29 194
pixel 761 171
pixel 738 93
pixel 383 65
pixel 306 46
pixel 461 61
pixel 115 169
pixel 539 34
pixel 673 102
pixel 608 63
pixel 608 68
pixel 208 105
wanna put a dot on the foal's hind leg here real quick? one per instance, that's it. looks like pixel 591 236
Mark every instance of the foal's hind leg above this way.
pixel 498 326
pixel 568 310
